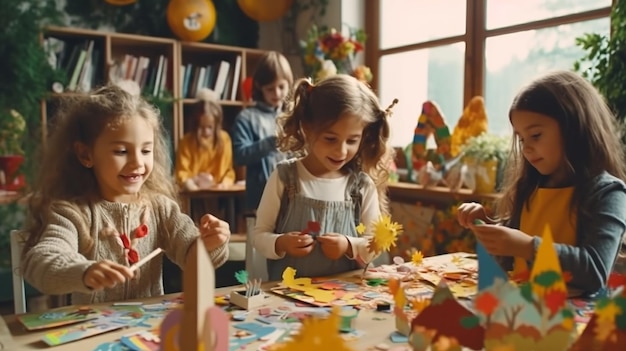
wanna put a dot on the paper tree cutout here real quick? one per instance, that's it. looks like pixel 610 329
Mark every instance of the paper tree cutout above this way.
pixel 318 334
pixel 459 328
pixel 488 269
pixel 533 316
pixel 199 325
pixel 606 330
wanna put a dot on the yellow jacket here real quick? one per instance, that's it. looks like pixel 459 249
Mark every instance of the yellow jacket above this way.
pixel 191 160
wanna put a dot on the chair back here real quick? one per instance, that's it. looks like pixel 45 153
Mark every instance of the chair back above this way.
pixel 18 238
pixel 256 264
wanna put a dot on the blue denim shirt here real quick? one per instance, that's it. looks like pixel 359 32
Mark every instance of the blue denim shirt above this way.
pixel 598 236
pixel 254 146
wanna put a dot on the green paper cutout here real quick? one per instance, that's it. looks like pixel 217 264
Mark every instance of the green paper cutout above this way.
pixel 241 276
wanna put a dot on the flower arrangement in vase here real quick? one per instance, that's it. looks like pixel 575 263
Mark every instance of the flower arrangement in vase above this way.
pixel 327 52
pixel 486 154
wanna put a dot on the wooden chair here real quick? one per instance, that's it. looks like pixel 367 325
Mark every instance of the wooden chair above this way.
pixel 18 238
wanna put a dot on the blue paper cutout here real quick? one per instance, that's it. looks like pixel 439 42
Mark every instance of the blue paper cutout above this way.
pixel 488 268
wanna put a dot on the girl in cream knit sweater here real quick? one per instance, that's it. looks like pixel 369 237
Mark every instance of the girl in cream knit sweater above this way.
pixel 105 199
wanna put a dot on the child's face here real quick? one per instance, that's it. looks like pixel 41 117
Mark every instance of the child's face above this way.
pixel 332 148
pixel 206 127
pixel 275 93
pixel 541 144
pixel 122 159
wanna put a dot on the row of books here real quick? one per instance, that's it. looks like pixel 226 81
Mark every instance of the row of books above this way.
pixel 222 77
pixel 81 61
pixel 150 74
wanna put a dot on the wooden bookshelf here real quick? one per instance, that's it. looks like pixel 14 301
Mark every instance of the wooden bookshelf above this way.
pixel 139 58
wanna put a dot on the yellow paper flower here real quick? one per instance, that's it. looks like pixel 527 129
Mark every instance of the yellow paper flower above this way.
pixel 318 334
pixel 385 234
pixel 418 304
pixel 417 258
pixel 360 229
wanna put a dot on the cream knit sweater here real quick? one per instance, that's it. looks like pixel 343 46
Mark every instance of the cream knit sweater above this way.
pixel 79 234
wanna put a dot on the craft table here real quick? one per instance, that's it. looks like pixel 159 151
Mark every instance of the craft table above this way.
pixel 230 193
pixel 377 326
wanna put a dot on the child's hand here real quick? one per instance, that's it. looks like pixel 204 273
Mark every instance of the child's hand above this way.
pixel 190 185
pixel 294 244
pixel 504 241
pixel 214 232
pixel 468 212
pixel 204 180
pixel 106 274
pixel 334 245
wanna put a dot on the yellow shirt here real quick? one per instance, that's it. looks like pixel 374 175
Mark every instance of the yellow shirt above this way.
pixel 550 206
pixel 192 160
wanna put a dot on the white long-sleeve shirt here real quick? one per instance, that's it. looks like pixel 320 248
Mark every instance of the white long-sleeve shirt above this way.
pixel 317 188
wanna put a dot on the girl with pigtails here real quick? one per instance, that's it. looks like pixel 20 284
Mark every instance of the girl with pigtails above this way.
pixel 339 134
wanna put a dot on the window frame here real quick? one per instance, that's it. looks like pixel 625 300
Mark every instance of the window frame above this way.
pixel 475 37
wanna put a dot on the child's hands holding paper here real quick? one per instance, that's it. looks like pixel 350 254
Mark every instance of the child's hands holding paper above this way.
pixel 294 244
pixel 106 274
pixel 334 245
pixel 500 240
pixel 468 212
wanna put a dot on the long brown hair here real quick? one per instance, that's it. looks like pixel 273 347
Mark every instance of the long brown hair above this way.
pixel 272 66
pixel 209 107
pixel 590 133
pixel 82 119
pixel 319 106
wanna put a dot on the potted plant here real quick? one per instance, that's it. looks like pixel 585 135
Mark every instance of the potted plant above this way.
pixel 12 128
pixel 27 76
pixel 485 156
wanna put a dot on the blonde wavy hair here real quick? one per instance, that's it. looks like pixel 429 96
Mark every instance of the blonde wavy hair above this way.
pixel 82 119
pixel 318 106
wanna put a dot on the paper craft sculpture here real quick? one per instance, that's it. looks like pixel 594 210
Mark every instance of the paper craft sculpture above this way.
pixel 533 316
pixel 473 122
pixel 460 327
pixel 200 325
pixel 430 122
pixel 606 331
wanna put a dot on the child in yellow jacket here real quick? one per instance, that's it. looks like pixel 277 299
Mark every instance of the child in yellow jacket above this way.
pixel 204 157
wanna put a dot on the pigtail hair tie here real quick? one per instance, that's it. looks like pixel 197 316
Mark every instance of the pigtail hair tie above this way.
pixel 388 111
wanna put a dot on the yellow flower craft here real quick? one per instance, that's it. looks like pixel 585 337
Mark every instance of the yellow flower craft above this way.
pixel 385 234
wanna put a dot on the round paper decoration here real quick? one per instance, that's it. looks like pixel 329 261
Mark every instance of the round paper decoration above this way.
pixel 265 10
pixel 191 20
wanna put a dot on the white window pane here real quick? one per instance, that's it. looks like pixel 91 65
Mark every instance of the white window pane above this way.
pixel 514 59
pixel 417 76
pixel 404 22
pixel 503 13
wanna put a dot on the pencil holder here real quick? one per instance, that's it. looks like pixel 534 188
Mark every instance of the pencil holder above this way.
pixel 238 298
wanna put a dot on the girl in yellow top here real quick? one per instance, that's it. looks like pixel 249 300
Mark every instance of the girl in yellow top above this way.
pixel 566 171
pixel 204 157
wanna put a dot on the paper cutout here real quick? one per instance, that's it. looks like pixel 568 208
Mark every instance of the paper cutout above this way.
pixel 533 316
pixel 199 323
pixel 326 292
pixel 460 327
pixel 290 281
pixel 606 330
pixel 318 334
pixel 85 330
pixel 385 234
pixel 489 269
pixel 144 340
pixel 58 317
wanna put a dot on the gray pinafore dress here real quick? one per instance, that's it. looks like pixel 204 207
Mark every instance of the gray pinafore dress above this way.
pixel 334 217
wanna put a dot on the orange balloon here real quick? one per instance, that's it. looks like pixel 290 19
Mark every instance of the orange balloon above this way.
pixel 191 20
pixel 265 10
pixel 120 2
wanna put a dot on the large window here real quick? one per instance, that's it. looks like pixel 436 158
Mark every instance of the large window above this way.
pixel 448 51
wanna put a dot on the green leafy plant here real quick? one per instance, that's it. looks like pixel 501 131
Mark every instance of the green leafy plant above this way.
pixel 486 146
pixel 604 63
pixel 25 71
